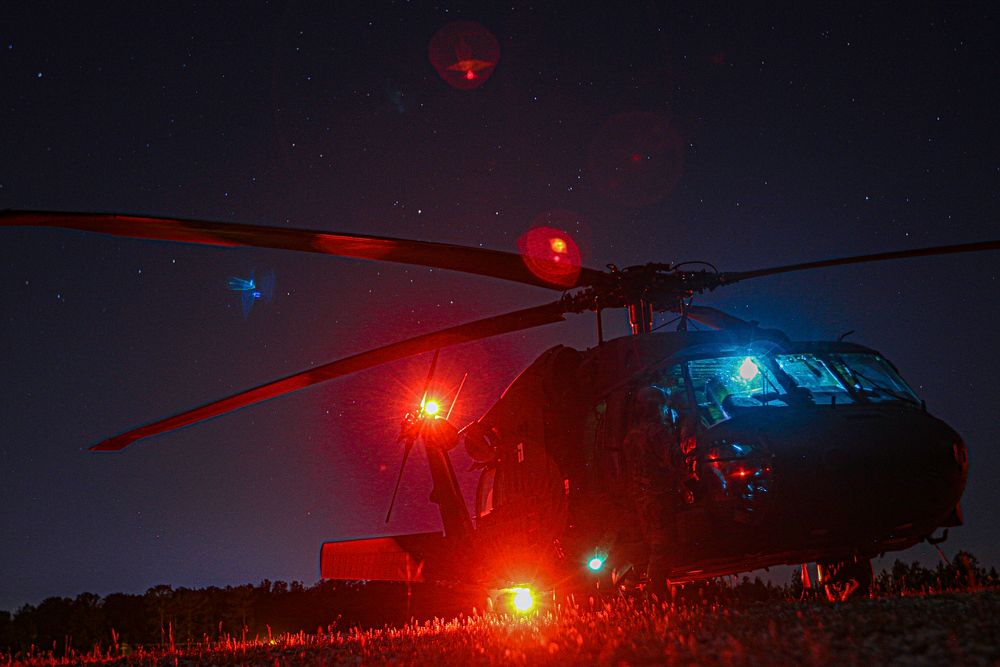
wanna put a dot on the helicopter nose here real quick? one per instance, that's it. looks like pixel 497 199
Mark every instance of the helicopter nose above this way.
pixel 872 472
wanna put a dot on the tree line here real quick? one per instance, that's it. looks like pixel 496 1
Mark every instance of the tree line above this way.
pixel 164 616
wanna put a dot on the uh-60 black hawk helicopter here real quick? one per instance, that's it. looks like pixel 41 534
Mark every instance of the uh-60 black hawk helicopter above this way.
pixel 785 443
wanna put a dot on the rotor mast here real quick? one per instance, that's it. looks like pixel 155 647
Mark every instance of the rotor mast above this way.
pixel 640 316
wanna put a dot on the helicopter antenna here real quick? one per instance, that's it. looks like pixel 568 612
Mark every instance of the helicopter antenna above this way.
pixel 457 392
pixel 844 335
pixel 406 454
pixel 666 324
pixel 685 307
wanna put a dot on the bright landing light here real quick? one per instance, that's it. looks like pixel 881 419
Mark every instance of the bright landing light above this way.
pixel 595 563
pixel 432 408
pixel 523 599
pixel 748 369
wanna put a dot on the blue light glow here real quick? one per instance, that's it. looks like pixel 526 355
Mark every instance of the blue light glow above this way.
pixel 252 290
pixel 241 284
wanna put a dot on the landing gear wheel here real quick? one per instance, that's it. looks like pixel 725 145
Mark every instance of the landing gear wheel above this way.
pixel 845 579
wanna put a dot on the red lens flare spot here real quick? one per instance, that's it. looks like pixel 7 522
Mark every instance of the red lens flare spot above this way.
pixel 636 159
pixel 551 254
pixel 464 54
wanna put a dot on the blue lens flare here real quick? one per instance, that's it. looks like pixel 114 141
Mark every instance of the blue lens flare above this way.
pixel 252 290
pixel 240 284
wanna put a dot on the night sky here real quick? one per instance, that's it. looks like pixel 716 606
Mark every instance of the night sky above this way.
pixel 756 137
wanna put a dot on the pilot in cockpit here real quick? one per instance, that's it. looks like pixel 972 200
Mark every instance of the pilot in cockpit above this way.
pixel 714 409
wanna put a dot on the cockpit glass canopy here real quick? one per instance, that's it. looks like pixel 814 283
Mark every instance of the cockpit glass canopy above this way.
pixel 728 385
pixel 872 377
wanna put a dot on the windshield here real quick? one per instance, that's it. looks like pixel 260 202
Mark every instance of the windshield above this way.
pixel 725 386
pixel 872 377
pixel 812 374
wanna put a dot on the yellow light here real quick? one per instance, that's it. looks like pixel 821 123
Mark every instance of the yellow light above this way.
pixel 558 245
pixel 523 599
pixel 432 408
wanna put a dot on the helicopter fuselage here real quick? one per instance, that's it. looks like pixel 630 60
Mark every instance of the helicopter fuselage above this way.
pixel 817 452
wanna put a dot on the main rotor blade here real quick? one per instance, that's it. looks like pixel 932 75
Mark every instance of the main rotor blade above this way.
pixel 463 333
pixel 478 261
pixel 735 276
pixel 715 318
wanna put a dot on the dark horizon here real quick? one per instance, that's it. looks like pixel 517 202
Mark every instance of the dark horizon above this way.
pixel 779 137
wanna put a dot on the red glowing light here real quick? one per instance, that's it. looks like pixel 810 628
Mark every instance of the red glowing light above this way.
pixel 464 54
pixel 551 254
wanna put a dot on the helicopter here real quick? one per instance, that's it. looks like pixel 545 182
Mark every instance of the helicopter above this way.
pixel 786 444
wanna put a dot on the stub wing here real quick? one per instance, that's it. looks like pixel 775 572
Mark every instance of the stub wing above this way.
pixel 418 557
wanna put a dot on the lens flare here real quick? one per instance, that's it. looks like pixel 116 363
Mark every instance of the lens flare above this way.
pixel 523 599
pixel 551 254
pixel 464 54
pixel 636 159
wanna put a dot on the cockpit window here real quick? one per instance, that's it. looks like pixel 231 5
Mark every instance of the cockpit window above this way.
pixel 724 386
pixel 817 384
pixel 872 377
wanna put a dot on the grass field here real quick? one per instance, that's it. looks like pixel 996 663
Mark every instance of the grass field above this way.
pixel 939 629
